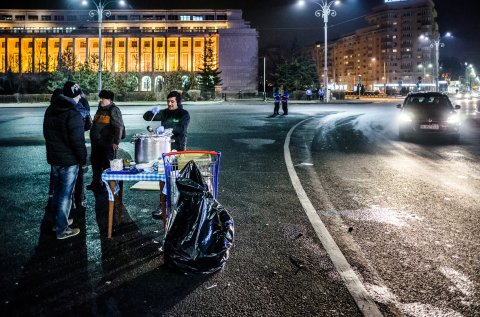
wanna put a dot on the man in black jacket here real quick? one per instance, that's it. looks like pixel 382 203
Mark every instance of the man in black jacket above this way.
pixel 63 130
pixel 173 117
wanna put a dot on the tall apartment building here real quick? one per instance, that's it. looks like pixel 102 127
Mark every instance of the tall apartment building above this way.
pixel 147 42
pixel 394 49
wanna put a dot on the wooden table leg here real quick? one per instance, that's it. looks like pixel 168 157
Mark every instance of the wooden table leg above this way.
pixel 111 205
pixel 163 201
pixel 120 202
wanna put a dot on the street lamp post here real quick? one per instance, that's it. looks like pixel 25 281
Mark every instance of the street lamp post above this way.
pixel 324 12
pixel 437 44
pixel 100 11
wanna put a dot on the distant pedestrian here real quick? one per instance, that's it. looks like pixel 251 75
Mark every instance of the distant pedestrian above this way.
pixel 308 92
pixel 276 101
pixel 320 94
pixel 63 130
pixel 285 97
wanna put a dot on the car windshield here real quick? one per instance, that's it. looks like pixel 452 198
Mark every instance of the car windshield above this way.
pixel 419 102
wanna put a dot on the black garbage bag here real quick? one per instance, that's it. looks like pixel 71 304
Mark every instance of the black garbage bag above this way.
pixel 200 231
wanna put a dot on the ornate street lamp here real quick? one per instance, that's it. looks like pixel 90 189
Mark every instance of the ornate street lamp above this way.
pixel 436 44
pixel 324 12
pixel 100 11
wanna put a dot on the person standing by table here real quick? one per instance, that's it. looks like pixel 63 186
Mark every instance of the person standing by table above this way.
pixel 105 135
pixel 79 199
pixel 63 130
pixel 173 117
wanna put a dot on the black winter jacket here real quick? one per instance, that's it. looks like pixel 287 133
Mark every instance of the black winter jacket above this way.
pixel 178 120
pixel 107 128
pixel 63 130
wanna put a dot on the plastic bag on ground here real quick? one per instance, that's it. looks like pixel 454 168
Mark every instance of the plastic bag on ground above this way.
pixel 200 231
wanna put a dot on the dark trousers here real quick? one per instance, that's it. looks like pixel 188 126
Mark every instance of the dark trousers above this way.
pixel 285 107
pixel 276 107
pixel 100 159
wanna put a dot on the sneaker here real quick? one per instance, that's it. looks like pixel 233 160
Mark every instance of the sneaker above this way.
pixel 70 232
pixel 70 221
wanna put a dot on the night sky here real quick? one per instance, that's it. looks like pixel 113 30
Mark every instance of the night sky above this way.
pixel 283 23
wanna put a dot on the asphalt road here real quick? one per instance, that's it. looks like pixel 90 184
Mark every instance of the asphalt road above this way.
pixel 403 214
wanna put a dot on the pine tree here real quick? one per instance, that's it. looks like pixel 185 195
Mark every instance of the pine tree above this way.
pixel 209 73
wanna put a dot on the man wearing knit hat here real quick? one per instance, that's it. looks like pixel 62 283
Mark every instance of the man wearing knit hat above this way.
pixel 63 129
pixel 105 135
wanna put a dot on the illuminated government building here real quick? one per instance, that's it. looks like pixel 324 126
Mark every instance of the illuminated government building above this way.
pixel 393 50
pixel 147 42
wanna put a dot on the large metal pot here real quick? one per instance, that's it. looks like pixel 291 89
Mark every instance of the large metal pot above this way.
pixel 149 147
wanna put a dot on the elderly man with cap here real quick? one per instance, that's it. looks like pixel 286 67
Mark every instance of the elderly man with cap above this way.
pixel 105 135
pixel 63 129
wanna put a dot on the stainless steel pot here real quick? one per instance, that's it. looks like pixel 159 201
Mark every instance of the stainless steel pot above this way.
pixel 149 147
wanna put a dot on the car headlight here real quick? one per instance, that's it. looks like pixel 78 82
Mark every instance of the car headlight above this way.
pixel 453 119
pixel 405 117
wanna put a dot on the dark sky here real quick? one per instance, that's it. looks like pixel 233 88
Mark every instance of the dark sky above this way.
pixel 281 22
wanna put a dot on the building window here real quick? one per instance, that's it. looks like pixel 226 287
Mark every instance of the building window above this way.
pixel 173 44
pixel 20 17
pixel 121 43
pixel 71 18
pixel 173 17
pixel 185 18
pixel 135 17
pixel 159 44
pixel 184 43
pixel 221 17
pixel 59 18
pixel 33 17
pixel 108 44
pixel 83 44
pixel 122 17
pixel 197 18
pixel 160 17
pixel 46 18
pixel 146 44
pixel 210 17
pixel 134 44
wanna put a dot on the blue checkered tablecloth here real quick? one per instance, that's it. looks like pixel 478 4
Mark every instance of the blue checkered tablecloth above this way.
pixel 143 176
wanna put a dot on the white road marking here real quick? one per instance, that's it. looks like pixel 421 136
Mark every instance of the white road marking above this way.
pixel 363 300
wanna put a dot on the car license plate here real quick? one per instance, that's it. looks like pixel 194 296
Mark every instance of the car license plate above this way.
pixel 429 126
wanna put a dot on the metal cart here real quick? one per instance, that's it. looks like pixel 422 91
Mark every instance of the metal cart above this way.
pixel 208 162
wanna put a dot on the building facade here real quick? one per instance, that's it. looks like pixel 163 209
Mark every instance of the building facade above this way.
pixel 394 50
pixel 147 42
